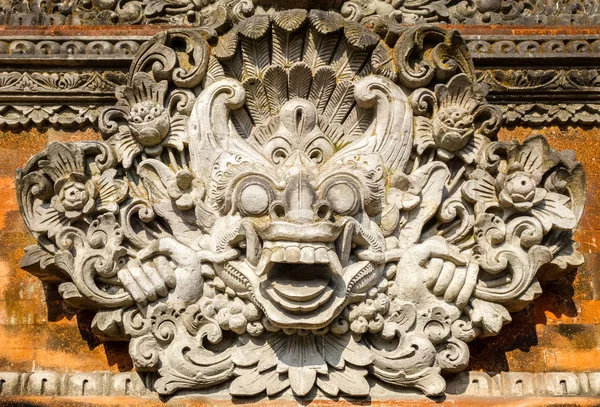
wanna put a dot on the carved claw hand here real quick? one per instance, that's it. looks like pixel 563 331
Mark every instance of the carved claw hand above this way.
pixel 444 270
pixel 146 280
pixel 153 274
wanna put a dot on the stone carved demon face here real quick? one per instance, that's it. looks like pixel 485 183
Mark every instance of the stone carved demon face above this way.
pixel 297 216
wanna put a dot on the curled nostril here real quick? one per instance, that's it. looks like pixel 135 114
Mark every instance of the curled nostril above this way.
pixel 277 210
pixel 323 211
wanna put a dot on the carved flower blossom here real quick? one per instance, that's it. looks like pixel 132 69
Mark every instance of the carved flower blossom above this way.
pixel 75 193
pixel 517 186
pixel 147 125
pixel 519 190
pixel 182 189
pixel 455 126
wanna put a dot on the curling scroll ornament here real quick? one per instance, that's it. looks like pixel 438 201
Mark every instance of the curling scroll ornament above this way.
pixel 300 206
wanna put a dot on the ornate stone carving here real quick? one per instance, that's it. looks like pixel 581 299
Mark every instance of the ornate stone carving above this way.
pixel 300 206
pixel 220 13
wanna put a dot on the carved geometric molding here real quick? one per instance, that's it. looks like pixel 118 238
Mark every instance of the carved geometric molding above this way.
pixel 134 385
pixel 544 92
pixel 299 206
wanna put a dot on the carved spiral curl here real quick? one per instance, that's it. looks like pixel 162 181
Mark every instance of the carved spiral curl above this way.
pixel 164 328
pixel 418 64
pixel 134 323
pixel 437 331
pixel 453 356
pixel 145 353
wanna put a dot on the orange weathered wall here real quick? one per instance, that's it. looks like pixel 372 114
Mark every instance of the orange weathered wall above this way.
pixel 560 331
pixel 36 331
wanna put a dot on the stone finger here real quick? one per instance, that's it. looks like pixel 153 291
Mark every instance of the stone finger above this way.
pixel 469 286
pixel 166 270
pixel 155 278
pixel 131 286
pixel 148 251
pixel 437 247
pixel 434 268
pixel 140 278
pixel 457 283
pixel 445 278
pixel 167 246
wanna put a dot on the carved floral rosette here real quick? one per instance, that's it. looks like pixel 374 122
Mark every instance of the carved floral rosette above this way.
pixel 301 205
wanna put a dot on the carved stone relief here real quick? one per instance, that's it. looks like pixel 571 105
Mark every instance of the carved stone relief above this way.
pixel 220 13
pixel 299 206
pixel 544 93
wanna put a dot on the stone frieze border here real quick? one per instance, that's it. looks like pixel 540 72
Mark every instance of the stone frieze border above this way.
pixel 474 384
pixel 75 75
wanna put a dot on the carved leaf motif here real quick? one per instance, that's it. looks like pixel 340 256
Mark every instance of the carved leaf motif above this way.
pixel 319 49
pixel 340 102
pixel 126 147
pixel 340 349
pixel 349 380
pixel 255 53
pixel 300 80
pixel 8 79
pixel 322 86
pixel 287 46
pixel 257 101
pixel 276 87
pixel 429 180
pixel 553 212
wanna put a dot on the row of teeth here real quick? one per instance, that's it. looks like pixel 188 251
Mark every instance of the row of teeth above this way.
pixel 295 254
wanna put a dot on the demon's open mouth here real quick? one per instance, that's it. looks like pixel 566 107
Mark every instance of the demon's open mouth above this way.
pixel 299 276
pixel 303 283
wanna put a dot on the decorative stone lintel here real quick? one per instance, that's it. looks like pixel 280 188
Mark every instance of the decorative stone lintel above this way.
pixel 543 92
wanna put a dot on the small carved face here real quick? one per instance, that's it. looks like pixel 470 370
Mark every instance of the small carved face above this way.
pixel 149 123
pixel 452 128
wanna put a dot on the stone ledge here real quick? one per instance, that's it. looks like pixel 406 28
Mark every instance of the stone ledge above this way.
pixel 69 386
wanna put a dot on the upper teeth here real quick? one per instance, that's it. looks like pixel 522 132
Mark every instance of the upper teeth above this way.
pixel 291 252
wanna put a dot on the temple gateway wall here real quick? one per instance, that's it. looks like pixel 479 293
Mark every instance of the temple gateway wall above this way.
pixel 222 202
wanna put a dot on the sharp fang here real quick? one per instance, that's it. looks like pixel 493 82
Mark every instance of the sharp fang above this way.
pixel 265 260
pixel 344 243
pixel 334 263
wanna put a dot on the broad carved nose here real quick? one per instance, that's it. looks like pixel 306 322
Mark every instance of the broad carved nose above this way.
pixel 300 203
pixel 299 199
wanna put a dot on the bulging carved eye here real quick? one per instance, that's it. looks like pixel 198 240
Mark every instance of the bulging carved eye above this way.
pixel 254 199
pixel 343 197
